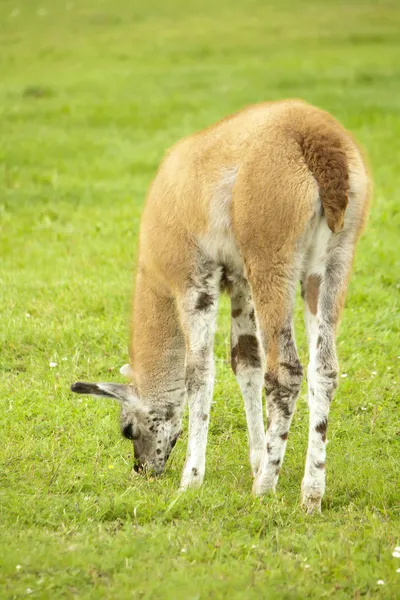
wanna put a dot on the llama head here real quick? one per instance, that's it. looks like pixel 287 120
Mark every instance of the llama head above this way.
pixel 153 429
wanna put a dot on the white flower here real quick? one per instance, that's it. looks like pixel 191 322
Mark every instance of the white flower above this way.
pixel 373 372
pixel 306 566
pixel 363 408
pixel 52 365
pixel 28 316
pixel 397 570
pixel 397 548
pixel 344 375
pixel 18 567
pixel 380 582
pixel 396 554
pixel 183 550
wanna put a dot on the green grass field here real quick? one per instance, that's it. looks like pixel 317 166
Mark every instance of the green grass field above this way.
pixel 91 95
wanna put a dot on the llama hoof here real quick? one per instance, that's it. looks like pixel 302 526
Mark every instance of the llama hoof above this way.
pixel 191 478
pixel 311 500
pixel 255 460
pixel 262 487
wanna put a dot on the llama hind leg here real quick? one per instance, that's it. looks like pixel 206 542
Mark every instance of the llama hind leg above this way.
pixel 323 289
pixel 273 289
pixel 282 385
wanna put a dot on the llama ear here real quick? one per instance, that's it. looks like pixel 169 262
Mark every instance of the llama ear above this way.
pixel 126 371
pixel 124 394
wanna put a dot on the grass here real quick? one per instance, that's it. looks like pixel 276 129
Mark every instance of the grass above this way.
pixel 91 95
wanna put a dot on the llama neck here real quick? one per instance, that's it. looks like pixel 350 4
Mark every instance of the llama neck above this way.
pixel 158 345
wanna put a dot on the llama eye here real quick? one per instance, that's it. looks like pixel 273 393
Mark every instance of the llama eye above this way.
pixel 130 432
pixel 127 431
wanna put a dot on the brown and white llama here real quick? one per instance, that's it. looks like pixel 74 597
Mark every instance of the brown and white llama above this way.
pixel 275 194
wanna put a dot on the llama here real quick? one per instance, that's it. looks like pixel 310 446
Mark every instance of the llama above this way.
pixel 275 194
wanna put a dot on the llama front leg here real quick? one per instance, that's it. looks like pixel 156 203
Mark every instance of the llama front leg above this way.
pixel 246 362
pixel 198 314
pixel 199 385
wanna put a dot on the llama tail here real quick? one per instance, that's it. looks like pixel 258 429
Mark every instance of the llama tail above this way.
pixel 325 156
